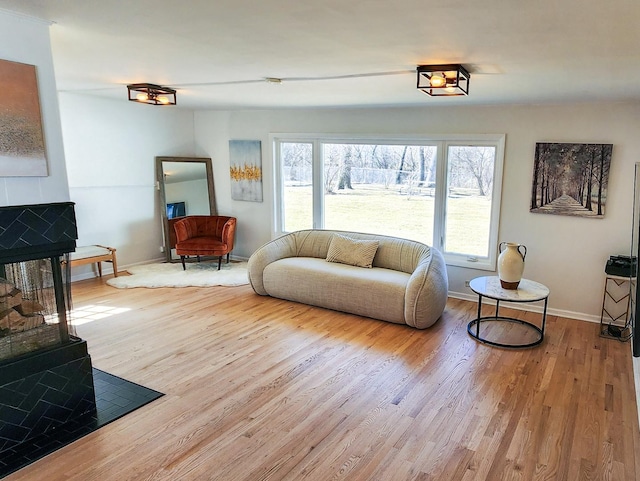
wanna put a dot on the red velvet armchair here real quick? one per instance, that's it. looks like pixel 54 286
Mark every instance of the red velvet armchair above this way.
pixel 205 235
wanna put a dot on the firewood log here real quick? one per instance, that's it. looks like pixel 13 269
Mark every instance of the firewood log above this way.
pixel 28 307
pixel 10 300
pixel 32 321
pixel 16 322
pixel 11 319
pixel 6 288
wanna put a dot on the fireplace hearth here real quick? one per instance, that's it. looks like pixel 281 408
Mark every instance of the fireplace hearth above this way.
pixel 46 375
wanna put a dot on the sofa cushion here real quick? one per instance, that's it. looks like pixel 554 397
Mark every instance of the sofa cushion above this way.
pixel 353 252
pixel 375 292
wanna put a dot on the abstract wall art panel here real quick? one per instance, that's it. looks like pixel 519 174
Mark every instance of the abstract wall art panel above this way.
pixel 245 158
pixel 22 149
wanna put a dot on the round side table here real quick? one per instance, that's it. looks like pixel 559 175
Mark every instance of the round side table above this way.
pixel 527 291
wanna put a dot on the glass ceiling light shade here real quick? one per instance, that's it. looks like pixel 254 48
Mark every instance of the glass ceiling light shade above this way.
pixel 443 80
pixel 151 94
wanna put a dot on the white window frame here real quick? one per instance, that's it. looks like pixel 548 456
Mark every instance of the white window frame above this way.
pixel 442 142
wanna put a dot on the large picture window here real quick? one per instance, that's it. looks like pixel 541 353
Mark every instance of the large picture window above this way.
pixel 444 192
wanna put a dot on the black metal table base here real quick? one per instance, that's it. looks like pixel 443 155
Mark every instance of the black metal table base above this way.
pixel 473 328
pixel 476 335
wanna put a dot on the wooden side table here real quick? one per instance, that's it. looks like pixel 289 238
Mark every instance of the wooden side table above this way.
pixel 527 291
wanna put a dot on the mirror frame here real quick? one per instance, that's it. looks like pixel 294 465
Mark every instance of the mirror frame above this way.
pixel 168 234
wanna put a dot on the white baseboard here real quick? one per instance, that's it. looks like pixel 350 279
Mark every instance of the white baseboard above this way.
pixel 107 268
pixel 533 307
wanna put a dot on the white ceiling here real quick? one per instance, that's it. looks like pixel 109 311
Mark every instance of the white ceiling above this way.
pixel 217 53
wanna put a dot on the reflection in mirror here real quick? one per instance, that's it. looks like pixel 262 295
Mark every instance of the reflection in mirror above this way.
pixel 186 188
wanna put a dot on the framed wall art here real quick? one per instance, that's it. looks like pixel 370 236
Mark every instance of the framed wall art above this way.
pixel 22 148
pixel 245 158
pixel 571 179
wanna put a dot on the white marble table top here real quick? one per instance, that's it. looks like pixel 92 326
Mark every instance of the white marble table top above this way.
pixel 527 291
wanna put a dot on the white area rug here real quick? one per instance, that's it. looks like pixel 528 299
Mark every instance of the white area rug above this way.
pixel 200 274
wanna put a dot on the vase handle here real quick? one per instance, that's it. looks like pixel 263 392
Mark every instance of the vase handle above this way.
pixel 525 251
pixel 500 247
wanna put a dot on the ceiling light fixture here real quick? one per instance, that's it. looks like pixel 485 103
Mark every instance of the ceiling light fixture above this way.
pixel 443 80
pixel 151 94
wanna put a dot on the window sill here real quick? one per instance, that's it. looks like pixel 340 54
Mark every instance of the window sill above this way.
pixel 481 264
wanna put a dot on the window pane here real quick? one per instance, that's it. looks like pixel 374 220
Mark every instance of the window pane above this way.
pixel 382 189
pixel 297 177
pixel 469 196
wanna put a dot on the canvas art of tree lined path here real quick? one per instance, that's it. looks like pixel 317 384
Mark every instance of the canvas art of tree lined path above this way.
pixel 571 179
pixel 565 205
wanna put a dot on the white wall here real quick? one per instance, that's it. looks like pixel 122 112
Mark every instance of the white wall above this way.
pixel 565 253
pixel 111 147
pixel 26 40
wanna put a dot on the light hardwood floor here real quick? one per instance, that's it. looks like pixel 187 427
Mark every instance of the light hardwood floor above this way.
pixel 263 389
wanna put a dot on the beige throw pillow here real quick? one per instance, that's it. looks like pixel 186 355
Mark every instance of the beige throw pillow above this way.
pixel 353 252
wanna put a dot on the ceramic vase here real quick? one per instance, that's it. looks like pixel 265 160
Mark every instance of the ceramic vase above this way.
pixel 511 264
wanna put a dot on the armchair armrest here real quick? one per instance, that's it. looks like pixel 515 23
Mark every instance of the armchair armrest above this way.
pixel 185 229
pixel 229 233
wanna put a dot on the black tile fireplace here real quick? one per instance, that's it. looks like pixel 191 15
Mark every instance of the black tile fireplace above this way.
pixel 46 377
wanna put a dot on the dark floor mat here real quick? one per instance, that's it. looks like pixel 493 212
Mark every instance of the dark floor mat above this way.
pixel 115 397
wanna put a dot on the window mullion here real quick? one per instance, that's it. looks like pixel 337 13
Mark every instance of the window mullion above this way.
pixel 439 217
pixel 318 183
pixel 278 220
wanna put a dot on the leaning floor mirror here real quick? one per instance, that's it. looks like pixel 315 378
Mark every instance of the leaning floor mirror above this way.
pixel 185 186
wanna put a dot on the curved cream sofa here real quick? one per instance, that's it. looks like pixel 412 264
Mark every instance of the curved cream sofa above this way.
pixel 407 284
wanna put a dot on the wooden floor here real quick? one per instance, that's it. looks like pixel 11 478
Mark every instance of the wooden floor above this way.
pixel 263 389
